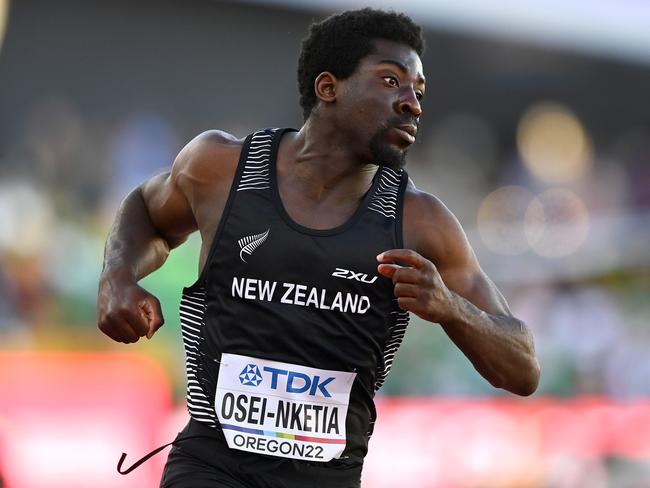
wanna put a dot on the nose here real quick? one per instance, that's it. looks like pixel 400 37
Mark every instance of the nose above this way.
pixel 409 103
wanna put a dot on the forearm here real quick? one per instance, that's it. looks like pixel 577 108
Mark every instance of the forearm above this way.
pixel 499 346
pixel 134 248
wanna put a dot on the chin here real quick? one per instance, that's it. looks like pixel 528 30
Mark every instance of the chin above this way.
pixel 385 154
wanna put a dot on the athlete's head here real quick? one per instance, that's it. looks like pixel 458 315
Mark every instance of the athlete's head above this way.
pixel 363 69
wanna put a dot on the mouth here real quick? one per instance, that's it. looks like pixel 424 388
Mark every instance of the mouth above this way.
pixel 407 132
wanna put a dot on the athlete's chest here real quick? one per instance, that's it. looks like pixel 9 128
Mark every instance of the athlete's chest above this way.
pixel 265 256
pixel 311 204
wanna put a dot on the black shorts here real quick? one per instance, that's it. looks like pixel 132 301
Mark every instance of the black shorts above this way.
pixel 208 463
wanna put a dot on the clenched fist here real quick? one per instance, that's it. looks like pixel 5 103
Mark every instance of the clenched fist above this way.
pixel 126 311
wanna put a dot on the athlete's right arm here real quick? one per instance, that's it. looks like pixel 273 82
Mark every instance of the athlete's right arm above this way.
pixel 153 219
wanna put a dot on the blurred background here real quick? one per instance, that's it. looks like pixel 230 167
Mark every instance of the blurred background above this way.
pixel 535 133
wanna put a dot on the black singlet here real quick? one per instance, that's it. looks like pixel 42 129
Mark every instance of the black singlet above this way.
pixel 279 307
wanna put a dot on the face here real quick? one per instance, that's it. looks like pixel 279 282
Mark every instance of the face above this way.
pixel 380 102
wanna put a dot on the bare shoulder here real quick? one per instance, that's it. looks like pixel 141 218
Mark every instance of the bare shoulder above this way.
pixel 211 156
pixel 431 229
pixel 214 140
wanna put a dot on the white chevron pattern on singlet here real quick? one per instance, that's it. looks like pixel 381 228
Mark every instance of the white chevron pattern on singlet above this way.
pixel 384 201
pixel 255 175
pixel 396 332
pixel 192 315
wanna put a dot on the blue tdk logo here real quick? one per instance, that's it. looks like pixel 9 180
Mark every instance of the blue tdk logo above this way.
pixel 298 382
pixel 250 375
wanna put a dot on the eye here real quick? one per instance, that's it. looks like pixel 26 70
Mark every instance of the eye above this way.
pixel 419 96
pixel 391 81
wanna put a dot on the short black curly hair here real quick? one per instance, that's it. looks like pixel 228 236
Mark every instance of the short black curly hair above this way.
pixel 337 43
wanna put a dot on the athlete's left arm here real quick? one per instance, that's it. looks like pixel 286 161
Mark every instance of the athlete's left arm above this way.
pixel 457 294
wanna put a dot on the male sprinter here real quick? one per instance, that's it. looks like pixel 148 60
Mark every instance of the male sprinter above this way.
pixel 315 248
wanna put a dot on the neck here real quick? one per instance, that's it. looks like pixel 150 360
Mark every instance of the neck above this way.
pixel 320 161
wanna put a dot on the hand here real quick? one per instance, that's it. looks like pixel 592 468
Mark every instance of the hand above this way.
pixel 126 311
pixel 418 285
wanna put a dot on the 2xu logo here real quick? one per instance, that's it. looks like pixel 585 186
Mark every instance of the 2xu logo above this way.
pixel 351 275
pixel 296 382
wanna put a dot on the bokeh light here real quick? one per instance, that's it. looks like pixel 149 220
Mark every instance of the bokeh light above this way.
pixel 556 223
pixel 501 219
pixel 553 143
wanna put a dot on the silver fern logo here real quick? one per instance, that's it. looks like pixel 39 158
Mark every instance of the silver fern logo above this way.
pixel 249 243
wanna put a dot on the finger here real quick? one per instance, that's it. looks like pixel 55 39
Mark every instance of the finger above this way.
pixel 112 333
pixel 152 313
pixel 406 257
pixel 128 334
pixel 408 304
pixel 400 274
pixel 388 270
pixel 114 329
pixel 407 275
pixel 107 326
pixel 136 321
pixel 406 290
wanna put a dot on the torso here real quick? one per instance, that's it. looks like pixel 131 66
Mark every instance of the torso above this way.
pixel 261 239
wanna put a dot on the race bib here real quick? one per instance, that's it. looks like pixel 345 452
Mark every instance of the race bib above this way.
pixel 282 409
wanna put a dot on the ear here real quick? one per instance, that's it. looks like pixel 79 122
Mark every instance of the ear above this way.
pixel 325 87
